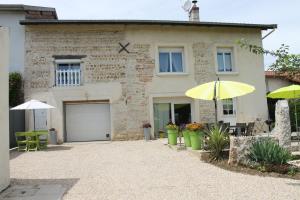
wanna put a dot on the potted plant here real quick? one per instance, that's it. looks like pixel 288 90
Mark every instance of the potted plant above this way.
pixel 186 136
pixel 172 130
pixel 195 135
pixel 147 128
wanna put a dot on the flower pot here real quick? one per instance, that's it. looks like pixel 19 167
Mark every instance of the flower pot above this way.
pixel 196 140
pixel 147 133
pixel 172 136
pixel 187 139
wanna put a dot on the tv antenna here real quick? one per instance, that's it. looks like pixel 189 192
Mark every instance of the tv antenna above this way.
pixel 186 5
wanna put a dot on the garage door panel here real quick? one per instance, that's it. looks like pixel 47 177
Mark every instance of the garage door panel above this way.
pixel 87 122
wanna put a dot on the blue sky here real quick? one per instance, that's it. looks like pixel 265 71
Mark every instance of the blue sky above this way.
pixel 284 13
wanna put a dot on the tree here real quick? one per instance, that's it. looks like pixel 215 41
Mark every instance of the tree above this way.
pixel 286 63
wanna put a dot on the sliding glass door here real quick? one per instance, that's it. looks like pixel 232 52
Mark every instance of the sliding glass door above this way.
pixel 179 113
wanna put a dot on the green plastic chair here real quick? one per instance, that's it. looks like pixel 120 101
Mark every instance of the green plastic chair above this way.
pixel 42 139
pixel 32 141
pixel 21 141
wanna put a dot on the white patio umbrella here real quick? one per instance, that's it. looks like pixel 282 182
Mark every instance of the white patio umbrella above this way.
pixel 33 105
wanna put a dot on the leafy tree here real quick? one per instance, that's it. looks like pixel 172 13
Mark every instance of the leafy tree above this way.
pixel 286 63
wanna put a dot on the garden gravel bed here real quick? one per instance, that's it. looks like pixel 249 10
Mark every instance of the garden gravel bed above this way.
pixel 141 170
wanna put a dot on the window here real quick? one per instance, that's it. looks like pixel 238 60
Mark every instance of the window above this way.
pixel 171 60
pixel 228 107
pixel 67 73
pixel 224 57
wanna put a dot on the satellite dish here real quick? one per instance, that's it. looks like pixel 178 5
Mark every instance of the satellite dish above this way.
pixel 187 4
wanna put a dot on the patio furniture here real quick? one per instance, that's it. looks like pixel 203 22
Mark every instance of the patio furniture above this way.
pixel 32 141
pixel 249 129
pixel 21 141
pixel 239 129
pixel 42 139
pixel 226 127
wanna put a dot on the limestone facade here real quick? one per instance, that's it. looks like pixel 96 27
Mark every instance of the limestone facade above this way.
pixel 130 81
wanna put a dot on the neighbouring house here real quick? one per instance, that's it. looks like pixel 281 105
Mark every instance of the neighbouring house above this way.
pixel 10 16
pixel 275 81
pixel 4 147
pixel 108 77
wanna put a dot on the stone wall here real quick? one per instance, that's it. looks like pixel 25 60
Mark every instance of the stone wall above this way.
pixel 102 63
pixel 204 72
pixel 240 146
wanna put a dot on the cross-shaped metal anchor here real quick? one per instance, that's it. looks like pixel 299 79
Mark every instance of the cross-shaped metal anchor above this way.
pixel 124 47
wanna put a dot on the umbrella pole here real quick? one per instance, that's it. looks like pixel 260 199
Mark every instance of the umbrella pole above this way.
pixel 216 111
pixel 296 119
pixel 215 100
pixel 33 120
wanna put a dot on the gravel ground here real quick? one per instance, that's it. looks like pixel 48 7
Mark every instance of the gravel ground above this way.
pixel 141 170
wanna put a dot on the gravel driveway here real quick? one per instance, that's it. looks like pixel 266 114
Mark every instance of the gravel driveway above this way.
pixel 141 170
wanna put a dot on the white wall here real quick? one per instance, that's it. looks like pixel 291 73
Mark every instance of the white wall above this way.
pixel 275 83
pixel 17 36
pixel 4 133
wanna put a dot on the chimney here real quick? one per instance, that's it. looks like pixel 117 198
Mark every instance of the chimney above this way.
pixel 194 12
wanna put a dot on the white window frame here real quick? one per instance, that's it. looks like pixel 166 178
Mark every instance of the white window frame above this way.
pixel 68 61
pixel 172 49
pixel 223 51
pixel 233 107
pixel 226 48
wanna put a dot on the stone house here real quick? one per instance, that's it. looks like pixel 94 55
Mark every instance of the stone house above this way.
pixel 108 77
pixel 4 148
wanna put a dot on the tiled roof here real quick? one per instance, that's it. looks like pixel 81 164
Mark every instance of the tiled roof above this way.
pixel 272 74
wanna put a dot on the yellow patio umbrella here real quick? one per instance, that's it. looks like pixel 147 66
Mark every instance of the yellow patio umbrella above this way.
pixel 217 90
pixel 289 92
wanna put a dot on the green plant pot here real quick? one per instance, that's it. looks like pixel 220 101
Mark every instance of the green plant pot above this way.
pixel 172 136
pixel 187 139
pixel 196 140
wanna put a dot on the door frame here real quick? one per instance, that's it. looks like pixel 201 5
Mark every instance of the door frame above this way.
pixel 228 118
pixel 173 102
pixel 181 98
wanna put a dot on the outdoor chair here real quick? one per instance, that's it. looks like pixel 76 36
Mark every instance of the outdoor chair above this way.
pixel 21 141
pixel 32 141
pixel 249 129
pixel 42 139
pixel 226 127
pixel 240 129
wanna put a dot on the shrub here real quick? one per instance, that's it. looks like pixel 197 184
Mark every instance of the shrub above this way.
pixel 217 140
pixel 269 152
pixel 16 95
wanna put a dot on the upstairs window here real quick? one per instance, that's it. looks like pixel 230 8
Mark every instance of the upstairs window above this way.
pixel 67 73
pixel 171 60
pixel 224 57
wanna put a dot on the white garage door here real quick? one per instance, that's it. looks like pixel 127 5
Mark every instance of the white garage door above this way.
pixel 87 122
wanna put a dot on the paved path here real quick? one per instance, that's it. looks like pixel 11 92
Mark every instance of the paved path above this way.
pixel 141 170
